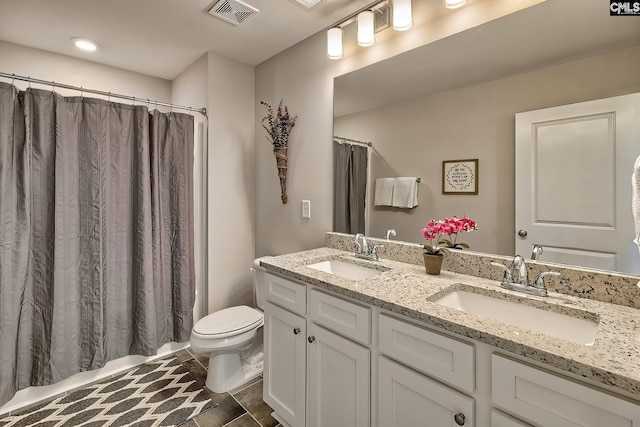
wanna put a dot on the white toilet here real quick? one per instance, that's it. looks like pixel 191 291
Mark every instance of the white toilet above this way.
pixel 232 338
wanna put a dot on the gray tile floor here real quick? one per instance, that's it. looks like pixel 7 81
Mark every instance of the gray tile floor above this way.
pixel 242 407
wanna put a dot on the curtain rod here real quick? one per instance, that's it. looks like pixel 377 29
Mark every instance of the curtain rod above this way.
pixel 81 89
pixel 367 143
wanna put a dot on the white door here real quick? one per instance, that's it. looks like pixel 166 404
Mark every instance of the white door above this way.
pixel 285 364
pixel 573 183
pixel 407 398
pixel 339 378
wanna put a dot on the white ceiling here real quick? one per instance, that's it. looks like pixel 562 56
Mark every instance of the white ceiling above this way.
pixel 163 37
pixel 543 35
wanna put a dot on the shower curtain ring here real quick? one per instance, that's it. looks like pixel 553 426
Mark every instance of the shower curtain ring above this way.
pixel 53 88
pixel 13 78
pixel 109 97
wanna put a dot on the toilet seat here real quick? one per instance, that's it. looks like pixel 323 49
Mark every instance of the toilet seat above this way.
pixel 229 321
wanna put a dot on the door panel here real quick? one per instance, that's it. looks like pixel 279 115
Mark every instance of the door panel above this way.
pixel 573 182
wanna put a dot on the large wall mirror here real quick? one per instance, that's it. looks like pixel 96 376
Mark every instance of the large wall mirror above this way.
pixel 457 98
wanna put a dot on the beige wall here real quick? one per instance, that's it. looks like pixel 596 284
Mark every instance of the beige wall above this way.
pixel 231 193
pixel 303 77
pixel 414 137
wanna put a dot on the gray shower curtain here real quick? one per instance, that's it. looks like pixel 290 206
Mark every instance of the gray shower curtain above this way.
pixel 349 187
pixel 96 234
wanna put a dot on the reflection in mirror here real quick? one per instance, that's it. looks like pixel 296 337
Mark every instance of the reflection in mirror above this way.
pixel 457 99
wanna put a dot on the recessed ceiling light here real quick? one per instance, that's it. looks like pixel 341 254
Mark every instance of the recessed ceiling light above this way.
pixel 454 4
pixel 84 44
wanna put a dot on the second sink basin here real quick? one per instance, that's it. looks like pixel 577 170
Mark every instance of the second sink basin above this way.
pixel 575 328
pixel 346 270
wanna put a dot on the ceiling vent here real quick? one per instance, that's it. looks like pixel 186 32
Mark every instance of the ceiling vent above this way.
pixel 233 11
pixel 308 4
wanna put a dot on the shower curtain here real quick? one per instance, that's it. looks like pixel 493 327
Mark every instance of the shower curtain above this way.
pixel 96 234
pixel 349 187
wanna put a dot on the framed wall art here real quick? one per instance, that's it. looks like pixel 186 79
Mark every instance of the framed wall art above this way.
pixel 460 176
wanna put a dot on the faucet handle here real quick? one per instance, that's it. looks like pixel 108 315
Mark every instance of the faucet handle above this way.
pixel 374 250
pixel 539 282
pixel 507 278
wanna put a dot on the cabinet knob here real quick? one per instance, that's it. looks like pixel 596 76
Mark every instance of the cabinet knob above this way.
pixel 522 233
pixel 311 339
pixel 459 419
pixel 296 331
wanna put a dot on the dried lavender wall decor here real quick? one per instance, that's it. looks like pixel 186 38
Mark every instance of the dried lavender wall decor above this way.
pixel 278 125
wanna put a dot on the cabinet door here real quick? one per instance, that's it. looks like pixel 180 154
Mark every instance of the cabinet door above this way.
pixel 339 380
pixel 546 399
pixel 285 359
pixel 407 398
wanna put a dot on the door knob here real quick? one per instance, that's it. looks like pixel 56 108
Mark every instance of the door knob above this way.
pixel 459 419
pixel 311 339
pixel 522 233
pixel 296 331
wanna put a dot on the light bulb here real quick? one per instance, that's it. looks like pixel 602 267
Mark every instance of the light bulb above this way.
pixel 334 43
pixel 366 30
pixel 402 18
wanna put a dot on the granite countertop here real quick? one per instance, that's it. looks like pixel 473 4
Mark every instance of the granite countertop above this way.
pixel 613 360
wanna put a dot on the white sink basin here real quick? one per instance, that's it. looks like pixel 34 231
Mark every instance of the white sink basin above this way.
pixel 345 269
pixel 575 329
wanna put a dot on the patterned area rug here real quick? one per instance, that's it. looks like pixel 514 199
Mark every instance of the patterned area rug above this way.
pixel 160 393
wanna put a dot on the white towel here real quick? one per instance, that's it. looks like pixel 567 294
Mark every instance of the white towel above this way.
pixel 635 182
pixel 384 192
pixel 405 192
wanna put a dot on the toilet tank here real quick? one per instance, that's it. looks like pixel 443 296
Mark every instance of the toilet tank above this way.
pixel 259 284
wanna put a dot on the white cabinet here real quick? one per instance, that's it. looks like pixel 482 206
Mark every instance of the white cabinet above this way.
pixel 338 388
pixel 545 399
pixel 407 398
pixel 500 419
pixel 316 377
pixel 285 364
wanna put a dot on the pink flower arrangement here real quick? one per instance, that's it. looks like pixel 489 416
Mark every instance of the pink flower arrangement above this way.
pixel 435 230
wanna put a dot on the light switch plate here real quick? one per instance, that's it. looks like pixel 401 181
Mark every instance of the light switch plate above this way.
pixel 306 209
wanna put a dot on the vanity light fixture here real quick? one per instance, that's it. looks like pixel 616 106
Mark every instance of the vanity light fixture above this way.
pixel 84 44
pixel 334 43
pixel 366 28
pixel 402 15
pixel 454 4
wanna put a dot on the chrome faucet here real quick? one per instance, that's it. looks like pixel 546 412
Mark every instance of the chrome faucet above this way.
pixel 516 278
pixel 363 250
pixel 536 251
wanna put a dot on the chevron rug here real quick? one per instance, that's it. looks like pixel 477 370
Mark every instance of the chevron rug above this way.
pixel 160 393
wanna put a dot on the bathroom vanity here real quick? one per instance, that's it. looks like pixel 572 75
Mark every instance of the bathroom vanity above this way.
pixel 380 345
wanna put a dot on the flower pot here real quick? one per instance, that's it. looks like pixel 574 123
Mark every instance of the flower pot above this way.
pixel 433 263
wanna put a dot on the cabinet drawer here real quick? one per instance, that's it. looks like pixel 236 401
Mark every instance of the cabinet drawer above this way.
pixel 344 317
pixel 549 400
pixel 286 294
pixel 441 357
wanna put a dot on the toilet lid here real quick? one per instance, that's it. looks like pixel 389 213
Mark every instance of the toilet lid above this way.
pixel 228 320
